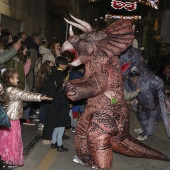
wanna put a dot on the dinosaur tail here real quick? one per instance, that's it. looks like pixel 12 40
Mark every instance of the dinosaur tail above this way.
pixel 133 148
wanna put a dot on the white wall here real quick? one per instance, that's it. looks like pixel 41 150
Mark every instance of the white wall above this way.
pixel 30 13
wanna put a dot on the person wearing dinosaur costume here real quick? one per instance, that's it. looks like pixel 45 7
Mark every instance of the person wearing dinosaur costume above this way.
pixel 152 101
pixel 104 126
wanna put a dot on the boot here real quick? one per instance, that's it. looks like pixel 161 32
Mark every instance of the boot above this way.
pixel 62 149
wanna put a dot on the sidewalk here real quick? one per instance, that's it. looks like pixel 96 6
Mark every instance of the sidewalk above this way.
pixel 41 157
pixel 30 135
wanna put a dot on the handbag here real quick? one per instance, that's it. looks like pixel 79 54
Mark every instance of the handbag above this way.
pixel 4 120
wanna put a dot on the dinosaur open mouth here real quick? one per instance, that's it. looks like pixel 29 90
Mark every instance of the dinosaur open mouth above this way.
pixel 67 46
pixel 75 54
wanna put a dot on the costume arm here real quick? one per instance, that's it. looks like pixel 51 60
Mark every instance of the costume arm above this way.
pixel 158 85
pixel 91 87
pixel 6 56
pixel 17 94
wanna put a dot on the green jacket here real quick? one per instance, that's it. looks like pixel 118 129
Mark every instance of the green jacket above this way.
pixel 16 64
pixel 30 76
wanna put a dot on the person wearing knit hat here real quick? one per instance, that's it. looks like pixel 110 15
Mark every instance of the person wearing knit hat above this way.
pixel 46 54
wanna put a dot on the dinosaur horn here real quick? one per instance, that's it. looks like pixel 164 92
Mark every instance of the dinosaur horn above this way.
pixel 71 33
pixel 83 23
pixel 76 25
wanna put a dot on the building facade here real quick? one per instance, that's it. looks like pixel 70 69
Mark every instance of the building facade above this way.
pixel 23 15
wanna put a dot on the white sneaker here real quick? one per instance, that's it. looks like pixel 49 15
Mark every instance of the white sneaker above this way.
pixel 94 167
pixel 73 129
pixel 36 120
pixel 40 125
pixel 12 166
pixel 142 137
pixel 34 116
pixel 77 160
pixel 37 111
pixel 138 131
pixel 41 129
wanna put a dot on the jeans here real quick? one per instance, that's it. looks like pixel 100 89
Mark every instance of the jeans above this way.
pixel 57 135
pixel 27 112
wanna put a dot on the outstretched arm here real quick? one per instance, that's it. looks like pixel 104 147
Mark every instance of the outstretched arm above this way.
pixel 5 57
pixel 93 86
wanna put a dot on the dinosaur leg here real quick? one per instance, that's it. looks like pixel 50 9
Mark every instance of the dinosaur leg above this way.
pixel 100 147
pixel 133 148
pixel 149 120
pixel 81 140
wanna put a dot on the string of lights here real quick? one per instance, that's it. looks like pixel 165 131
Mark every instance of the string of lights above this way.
pixel 133 17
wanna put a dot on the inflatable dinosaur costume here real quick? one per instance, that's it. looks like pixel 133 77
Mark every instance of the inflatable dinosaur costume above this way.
pixel 153 102
pixel 104 127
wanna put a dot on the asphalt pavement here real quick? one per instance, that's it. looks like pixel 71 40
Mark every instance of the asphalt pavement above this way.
pixel 41 157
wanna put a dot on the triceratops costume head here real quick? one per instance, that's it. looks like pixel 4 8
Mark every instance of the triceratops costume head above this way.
pixel 104 126
pixel 87 45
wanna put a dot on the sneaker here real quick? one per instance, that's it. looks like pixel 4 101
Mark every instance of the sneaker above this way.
pixel 138 131
pixel 73 129
pixel 53 146
pixel 12 166
pixel 28 122
pixel 46 142
pixel 77 160
pixel 142 137
pixel 65 137
pixel 40 125
pixel 40 129
pixel 34 116
pixel 36 120
pixel 62 149
pixel 94 167
pixel 37 111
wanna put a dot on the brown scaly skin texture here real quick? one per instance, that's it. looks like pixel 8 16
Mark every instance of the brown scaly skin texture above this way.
pixel 104 127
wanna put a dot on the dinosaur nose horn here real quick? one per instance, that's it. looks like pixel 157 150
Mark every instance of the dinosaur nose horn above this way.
pixel 71 33
pixel 83 23
pixel 76 25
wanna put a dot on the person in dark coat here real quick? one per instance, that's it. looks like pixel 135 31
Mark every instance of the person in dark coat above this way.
pixel 57 112
pixel 61 118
